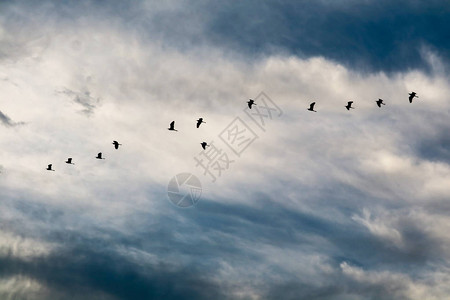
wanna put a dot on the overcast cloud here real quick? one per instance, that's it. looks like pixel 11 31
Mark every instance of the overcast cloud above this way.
pixel 326 205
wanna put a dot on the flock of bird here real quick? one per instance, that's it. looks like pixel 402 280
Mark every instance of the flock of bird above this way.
pixel 99 156
pixel 250 104
pixel 379 102
pixel 199 122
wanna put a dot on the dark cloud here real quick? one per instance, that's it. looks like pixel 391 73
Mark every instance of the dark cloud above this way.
pixel 86 273
pixel 369 35
pixel 190 246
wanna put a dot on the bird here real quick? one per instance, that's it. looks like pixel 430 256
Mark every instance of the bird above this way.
pixel 412 95
pixel 69 161
pixel 250 103
pixel 172 126
pixel 380 102
pixel 99 156
pixel 204 145
pixel 311 107
pixel 349 105
pixel 199 122
pixel 116 144
pixel 49 167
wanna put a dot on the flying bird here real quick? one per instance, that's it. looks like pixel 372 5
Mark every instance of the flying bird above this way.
pixel 204 145
pixel 172 126
pixel 412 95
pixel 311 107
pixel 349 105
pixel 250 103
pixel 116 144
pixel 49 167
pixel 199 122
pixel 69 161
pixel 99 156
pixel 380 102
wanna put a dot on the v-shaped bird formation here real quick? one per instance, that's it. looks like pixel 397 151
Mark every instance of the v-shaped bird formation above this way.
pixel 250 104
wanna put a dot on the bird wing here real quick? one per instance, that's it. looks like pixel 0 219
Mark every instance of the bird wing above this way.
pixel 49 166
pixel 172 124
pixel 311 106
pixel 350 102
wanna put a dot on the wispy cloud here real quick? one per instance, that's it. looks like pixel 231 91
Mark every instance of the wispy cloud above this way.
pixel 326 205
pixel 6 121
pixel 84 99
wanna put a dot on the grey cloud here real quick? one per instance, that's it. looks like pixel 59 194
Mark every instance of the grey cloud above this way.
pixel 358 35
pixel 6 121
pixel 95 274
pixel 84 99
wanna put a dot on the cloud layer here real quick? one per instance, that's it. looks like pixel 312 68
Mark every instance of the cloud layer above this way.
pixel 326 205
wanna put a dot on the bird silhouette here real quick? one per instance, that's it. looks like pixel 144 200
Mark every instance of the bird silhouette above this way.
pixel 311 107
pixel 380 102
pixel 204 145
pixel 412 95
pixel 49 167
pixel 116 144
pixel 250 103
pixel 69 161
pixel 99 156
pixel 199 122
pixel 349 105
pixel 172 126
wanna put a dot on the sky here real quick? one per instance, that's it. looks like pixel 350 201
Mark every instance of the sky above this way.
pixel 332 204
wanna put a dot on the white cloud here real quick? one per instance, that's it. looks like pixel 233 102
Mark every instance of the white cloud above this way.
pixel 19 287
pixel 397 285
